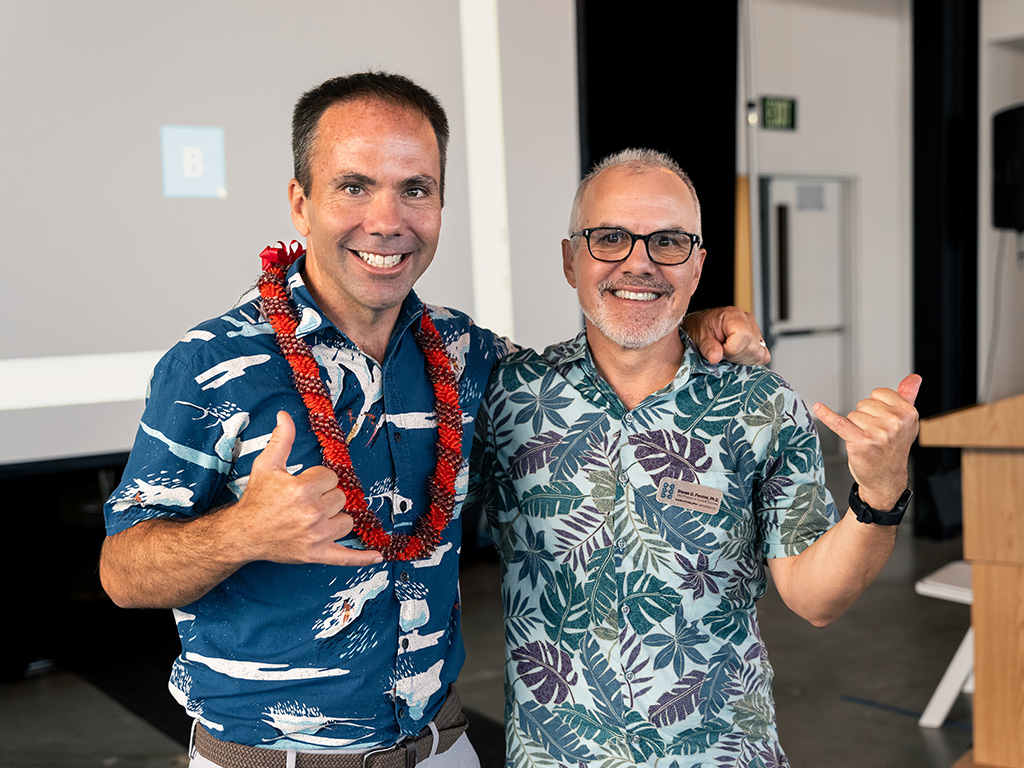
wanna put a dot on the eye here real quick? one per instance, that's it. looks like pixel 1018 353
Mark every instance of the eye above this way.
pixel 352 189
pixel 416 192
pixel 609 236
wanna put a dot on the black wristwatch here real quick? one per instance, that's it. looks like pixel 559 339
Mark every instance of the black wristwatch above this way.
pixel 868 514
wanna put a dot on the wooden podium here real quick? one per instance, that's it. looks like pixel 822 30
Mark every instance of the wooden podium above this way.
pixel 992 473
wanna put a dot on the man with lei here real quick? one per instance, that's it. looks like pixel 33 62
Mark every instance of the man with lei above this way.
pixel 295 488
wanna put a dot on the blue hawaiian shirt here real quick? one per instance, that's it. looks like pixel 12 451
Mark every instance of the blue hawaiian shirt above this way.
pixel 633 547
pixel 309 656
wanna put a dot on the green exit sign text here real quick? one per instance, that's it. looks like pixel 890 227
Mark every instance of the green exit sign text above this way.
pixel 778 113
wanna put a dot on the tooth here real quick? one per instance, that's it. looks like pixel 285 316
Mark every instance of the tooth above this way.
pixel 377 260
pixel 646 296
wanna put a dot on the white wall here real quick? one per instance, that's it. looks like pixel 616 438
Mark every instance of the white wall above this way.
pixel 848 64
pixel 1000 274
pixel 538 57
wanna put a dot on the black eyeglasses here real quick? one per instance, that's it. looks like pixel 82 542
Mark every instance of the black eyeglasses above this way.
pixel 669 247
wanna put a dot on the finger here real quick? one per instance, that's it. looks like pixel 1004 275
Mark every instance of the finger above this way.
pixel 842 426
pixel 744 349
pixel 344 523
pixel 744 343
pixel 339 555
pixel 275 454
pixel 909 388
pixel 320 478
pixel 334 501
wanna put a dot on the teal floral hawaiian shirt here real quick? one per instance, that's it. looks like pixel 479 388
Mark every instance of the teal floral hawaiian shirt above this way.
pixel 633 547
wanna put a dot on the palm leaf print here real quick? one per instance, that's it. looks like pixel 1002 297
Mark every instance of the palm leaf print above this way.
pixel 546 670
pixel 534 454
pixel 564 609
pixel 647 600
pixel 679 702
pixel 573 451
pixel 551 732
pixel 664 454
pixel 559 498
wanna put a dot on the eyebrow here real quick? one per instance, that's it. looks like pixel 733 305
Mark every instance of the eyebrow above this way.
pixel 421 180
pixel 354 178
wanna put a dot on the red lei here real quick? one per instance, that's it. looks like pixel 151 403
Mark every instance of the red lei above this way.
pixel 426 533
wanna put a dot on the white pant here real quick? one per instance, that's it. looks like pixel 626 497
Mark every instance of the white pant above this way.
pixel 459 755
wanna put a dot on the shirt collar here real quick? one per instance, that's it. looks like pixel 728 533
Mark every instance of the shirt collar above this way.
pixel 572 360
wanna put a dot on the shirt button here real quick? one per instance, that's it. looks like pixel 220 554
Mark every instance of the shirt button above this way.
pixel 629 675
pixel 405 642
pixel 625 609
pixel 401 712
pixel 403 576
pixel 398 437
pixel 635 739
pixel 623 478
pixel 621 543
pixel 628 418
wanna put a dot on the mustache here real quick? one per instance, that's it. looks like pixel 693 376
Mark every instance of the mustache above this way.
pixel 632 283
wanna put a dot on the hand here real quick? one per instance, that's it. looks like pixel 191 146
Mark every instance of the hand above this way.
pixel 878 437
pixel 288 518
pixel 727 332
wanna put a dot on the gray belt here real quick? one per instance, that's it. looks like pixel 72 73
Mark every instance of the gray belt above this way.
pixel 449 721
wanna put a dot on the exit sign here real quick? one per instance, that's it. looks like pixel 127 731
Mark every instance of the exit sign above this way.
pixel 778 113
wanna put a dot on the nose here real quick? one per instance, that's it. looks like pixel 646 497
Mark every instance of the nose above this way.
pixel 383 216
pixel 638 262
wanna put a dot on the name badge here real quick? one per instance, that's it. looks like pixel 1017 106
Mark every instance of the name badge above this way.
pixel 690 495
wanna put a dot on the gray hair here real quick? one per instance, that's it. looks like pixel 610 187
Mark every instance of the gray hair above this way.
pixel 637 161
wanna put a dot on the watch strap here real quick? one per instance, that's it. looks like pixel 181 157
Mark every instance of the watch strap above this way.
pixel 868 514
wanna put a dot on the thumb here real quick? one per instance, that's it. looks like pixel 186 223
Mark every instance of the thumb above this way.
pixel 275 455
pixel 909 388
pixel 712 349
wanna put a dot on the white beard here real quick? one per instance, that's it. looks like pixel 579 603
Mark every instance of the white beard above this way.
pixel 634 333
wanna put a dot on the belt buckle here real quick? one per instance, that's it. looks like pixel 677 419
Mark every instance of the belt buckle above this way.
pixel 372 752
pixel 406 742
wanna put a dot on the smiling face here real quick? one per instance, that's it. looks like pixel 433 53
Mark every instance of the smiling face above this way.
pixel 633 303
pixel 372 215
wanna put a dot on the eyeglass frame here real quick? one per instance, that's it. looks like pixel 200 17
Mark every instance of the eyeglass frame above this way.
pixel 695 243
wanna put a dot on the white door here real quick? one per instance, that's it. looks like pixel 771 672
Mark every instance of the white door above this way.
pixel 805 290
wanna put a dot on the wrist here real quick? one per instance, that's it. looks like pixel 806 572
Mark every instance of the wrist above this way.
pixel 878 498
pixel 867 512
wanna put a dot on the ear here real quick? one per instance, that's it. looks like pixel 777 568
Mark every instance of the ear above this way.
pixel 569 262
pixel 299 204
pixel 698 267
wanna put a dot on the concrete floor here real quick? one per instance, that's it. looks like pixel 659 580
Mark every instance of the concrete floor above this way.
pixel 846 696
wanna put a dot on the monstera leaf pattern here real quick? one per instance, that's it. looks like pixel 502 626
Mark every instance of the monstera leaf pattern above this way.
pixel 630 624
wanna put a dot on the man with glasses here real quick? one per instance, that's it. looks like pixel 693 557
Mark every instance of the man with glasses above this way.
pixel 638 492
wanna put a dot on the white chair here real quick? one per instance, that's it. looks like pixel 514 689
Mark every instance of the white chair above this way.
pixel 951 582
